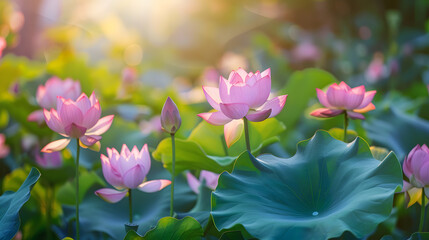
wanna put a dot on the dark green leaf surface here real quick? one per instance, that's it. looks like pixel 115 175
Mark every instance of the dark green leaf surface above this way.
pixel 328 187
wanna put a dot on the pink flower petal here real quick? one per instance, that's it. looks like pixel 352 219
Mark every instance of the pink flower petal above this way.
pixel 354 97
pixel 101 126
pixel 367 99
pixel 89 140
pixel 125 151
pixel 233 131
pixel 111 195
pixel 75 131
pixel 262 88
pixel 36 116
pixel 344 86
pixel 193 182
pixel 112 176
pixel 53 121
pixel 323 99
pixel 336 96
pixel 70 113
pixel 133 177
pixel 215 118
pixel 210 178
pixel 234 110
pixel 424 172
pixel 57 145
pixel 154 185
pixel 241 72
pixel 145 159
pixel 368 108
pixel 92 116
pixel 276 105
pixel 258 116
pixel 212 96
pixel 355 115
pixel 83 103
pixel 326 112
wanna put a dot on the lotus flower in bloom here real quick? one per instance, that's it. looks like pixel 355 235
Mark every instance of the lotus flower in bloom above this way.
pixel 46 95
pixel 242 95
pixel 4 149
pixel 76 119
pixel 340 98
pixel 49 160
pixel 127 170
pixel 416 168
pixel 209 178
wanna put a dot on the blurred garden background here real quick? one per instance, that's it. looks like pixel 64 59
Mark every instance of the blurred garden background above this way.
pixel 135 53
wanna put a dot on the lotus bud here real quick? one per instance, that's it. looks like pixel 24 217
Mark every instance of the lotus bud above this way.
pixel 170 117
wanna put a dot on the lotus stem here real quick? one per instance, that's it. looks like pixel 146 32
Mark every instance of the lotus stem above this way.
pixel 77 187
pixel 173 149
pixel 346 124
pixel 130 201
pixel 246 134
pixel 225 147
pixel 422 211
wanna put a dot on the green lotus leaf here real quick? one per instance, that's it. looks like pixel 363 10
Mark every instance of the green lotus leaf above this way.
pixel 169 228
pixel 11 203
pixel 328 187
pixel 205 150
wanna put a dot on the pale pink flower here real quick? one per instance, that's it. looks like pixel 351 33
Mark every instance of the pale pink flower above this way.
pixel 127 170
pixel 306 51
pixel 242 95
pixel 4 149
pixel 416 166
pixel 49 160
pixel 376 69
pixel 76 119
pixel 340 98
pixel 209 178
pixel 129 75
pixel 46 95
pixel 2 45
pixel 153 125
pixel 170 117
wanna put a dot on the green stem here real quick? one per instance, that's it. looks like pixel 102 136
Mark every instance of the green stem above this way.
pixel 48 212
pixel 173 173
pixel 77 187
pixel 225 147
pixel 346 124
pixel 130 201
pixel 422 212
pixel 246 134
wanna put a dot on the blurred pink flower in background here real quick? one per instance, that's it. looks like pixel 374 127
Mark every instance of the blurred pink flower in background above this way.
pixel 129 75
pixel 376 69
pixel 210 77
pixel 231 60
pixel 306 51
pixel 49 160
pixel 2 45
pixel 340 98
pixel 242 95
pixel 153 125
pixel 4 149
pixel 76 119
pixel 209 178
pixel 127 170
pixel 46 95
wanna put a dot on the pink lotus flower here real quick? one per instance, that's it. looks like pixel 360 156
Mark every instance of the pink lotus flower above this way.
pixel 209 178
pixel 340 98
pixel 127 170
pixel 170 117
pixel 49 160
pixel 376 69
pixel 306 51
pixel 2 45
pixel 416 168
pixel 46 95
pixel 242 95
pixel 4 149
pixel 76 119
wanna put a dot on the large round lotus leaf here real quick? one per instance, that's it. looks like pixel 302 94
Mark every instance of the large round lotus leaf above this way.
pixel 328 187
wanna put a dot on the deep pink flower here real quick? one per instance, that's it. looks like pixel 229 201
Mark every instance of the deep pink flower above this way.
pixel 46 95
pixel 76 119
pixel 127 170
pixel 209 178
pixel 170 117
pixel 340 98
pixel 49 160
pixel 4 149
pixel 2 45
pixel 416 166
pixel 242 95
